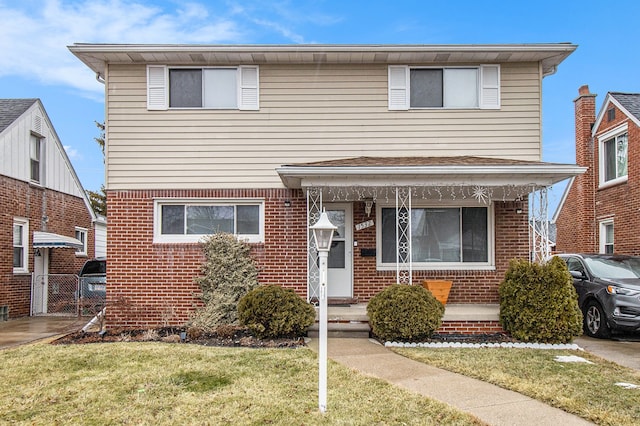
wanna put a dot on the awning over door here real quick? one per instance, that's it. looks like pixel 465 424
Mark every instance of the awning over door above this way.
pixel 49 240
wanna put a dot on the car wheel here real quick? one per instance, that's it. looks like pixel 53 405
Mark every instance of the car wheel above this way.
pixel 595 321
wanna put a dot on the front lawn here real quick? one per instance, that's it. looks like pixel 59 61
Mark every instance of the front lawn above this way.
pixel 160 383
pixel 587 390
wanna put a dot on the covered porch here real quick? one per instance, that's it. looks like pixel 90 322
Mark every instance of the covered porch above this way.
pixel 404 219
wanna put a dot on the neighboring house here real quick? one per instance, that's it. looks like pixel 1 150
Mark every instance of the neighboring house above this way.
pixel 48 227
pixel 599 211
pixel 257 140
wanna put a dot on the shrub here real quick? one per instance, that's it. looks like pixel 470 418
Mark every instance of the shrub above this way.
pixel 228 274
pixel 273 311
pixel 538 303
pixel 404 313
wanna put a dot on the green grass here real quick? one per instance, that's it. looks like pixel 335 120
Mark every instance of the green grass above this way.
pixel 161 384
pixel 587 390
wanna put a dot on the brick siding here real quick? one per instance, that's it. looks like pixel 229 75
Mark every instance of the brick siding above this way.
pixel 578 224
pixel 152 284
pixel 64 213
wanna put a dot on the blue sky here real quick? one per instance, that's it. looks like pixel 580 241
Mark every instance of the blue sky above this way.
pixel 35 61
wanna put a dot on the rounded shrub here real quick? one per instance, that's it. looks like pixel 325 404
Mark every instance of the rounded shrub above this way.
pixel 404 313
pixel 538 302
pixel 273 311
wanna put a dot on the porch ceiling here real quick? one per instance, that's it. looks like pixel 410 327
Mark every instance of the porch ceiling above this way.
pixel 426 172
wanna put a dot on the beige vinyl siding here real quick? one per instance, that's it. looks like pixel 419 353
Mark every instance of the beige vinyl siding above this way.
pixel 307 113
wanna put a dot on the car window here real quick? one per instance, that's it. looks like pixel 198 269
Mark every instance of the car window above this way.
pixel 575 265
pixel 94 267
pixel 614 268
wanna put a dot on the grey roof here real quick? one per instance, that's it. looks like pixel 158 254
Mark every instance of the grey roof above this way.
pixel 630 101
pixel 11 109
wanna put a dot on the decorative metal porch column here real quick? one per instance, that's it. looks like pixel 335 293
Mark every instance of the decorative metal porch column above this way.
pixel 314 209
pixel 539 226
pixel 403 236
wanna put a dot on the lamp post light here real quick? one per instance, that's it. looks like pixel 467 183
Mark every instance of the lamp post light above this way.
pixel 322 235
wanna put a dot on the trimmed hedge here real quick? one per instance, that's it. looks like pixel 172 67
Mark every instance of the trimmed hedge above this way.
pixel 273 311
pixel 538 303
pixel 405 313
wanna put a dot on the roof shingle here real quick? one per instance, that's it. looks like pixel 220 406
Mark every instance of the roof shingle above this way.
pixel 11 109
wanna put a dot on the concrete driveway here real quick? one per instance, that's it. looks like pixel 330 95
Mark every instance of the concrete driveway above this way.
pixel 621 349
pixel 25 330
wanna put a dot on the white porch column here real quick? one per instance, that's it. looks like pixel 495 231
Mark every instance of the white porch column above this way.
pixel 403 236
pixel 540 245
pixel 314 208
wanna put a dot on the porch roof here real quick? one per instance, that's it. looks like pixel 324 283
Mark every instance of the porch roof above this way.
pixel 425 172
pixel 50 240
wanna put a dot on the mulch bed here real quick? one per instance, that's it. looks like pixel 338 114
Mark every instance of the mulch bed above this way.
pixel 225 336
pixel 229 336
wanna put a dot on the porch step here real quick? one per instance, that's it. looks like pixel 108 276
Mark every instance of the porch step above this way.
pixel 350 320
pixel 358 330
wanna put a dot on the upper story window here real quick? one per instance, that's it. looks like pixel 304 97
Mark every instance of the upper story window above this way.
pixel 441 237
pixel 20 245
pixel 35 153
pixel 190 220
pixel 444 87
pixel 203 87
pixel 81 235
pixel 614 156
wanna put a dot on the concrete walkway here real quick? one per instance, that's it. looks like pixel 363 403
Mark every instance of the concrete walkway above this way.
pixel 489 403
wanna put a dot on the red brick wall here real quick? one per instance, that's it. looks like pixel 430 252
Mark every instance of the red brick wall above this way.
pixel 64 212
pixel 578 224
pixel 153 284
pixel 621 202
pixel 575 223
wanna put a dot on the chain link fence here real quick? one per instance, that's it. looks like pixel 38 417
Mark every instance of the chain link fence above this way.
pixel 67 295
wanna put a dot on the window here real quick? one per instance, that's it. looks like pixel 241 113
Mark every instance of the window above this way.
pixel 440 236
pixel 613 156
pixel 206 88
pixel 20 245
pixel 448 87
pixel 35 152
pixel 606 237
pixel 178 221
pixel 81 235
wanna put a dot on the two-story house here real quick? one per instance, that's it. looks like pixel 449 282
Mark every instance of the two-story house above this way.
pixel 599 211
pixel 423 156
pixel 48 226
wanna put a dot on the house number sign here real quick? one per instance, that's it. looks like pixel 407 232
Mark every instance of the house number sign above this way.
pixel 364 225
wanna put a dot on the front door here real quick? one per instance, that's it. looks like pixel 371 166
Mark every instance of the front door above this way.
pixel 40 282
pixel 340 262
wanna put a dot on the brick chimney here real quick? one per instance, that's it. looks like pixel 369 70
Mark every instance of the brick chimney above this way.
pixel 585 185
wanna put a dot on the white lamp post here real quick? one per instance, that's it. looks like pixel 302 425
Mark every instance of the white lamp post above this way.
pixel 323 234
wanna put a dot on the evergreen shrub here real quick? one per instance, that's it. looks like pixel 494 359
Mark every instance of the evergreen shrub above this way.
pixel 538 302
pixel 228 273
pixel 272 311
pixel 404 313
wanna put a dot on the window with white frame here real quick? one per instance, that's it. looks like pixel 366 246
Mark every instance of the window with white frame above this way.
pixel 20 245
pixel 614 156
pixel 81 235
pixel 35 153
pixel 606 236
pixel 190 220
pixel 444 87
pixel 453 236
pixel 202 87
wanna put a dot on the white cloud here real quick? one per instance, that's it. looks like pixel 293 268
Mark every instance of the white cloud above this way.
pixel 35 35
pixel 72 153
